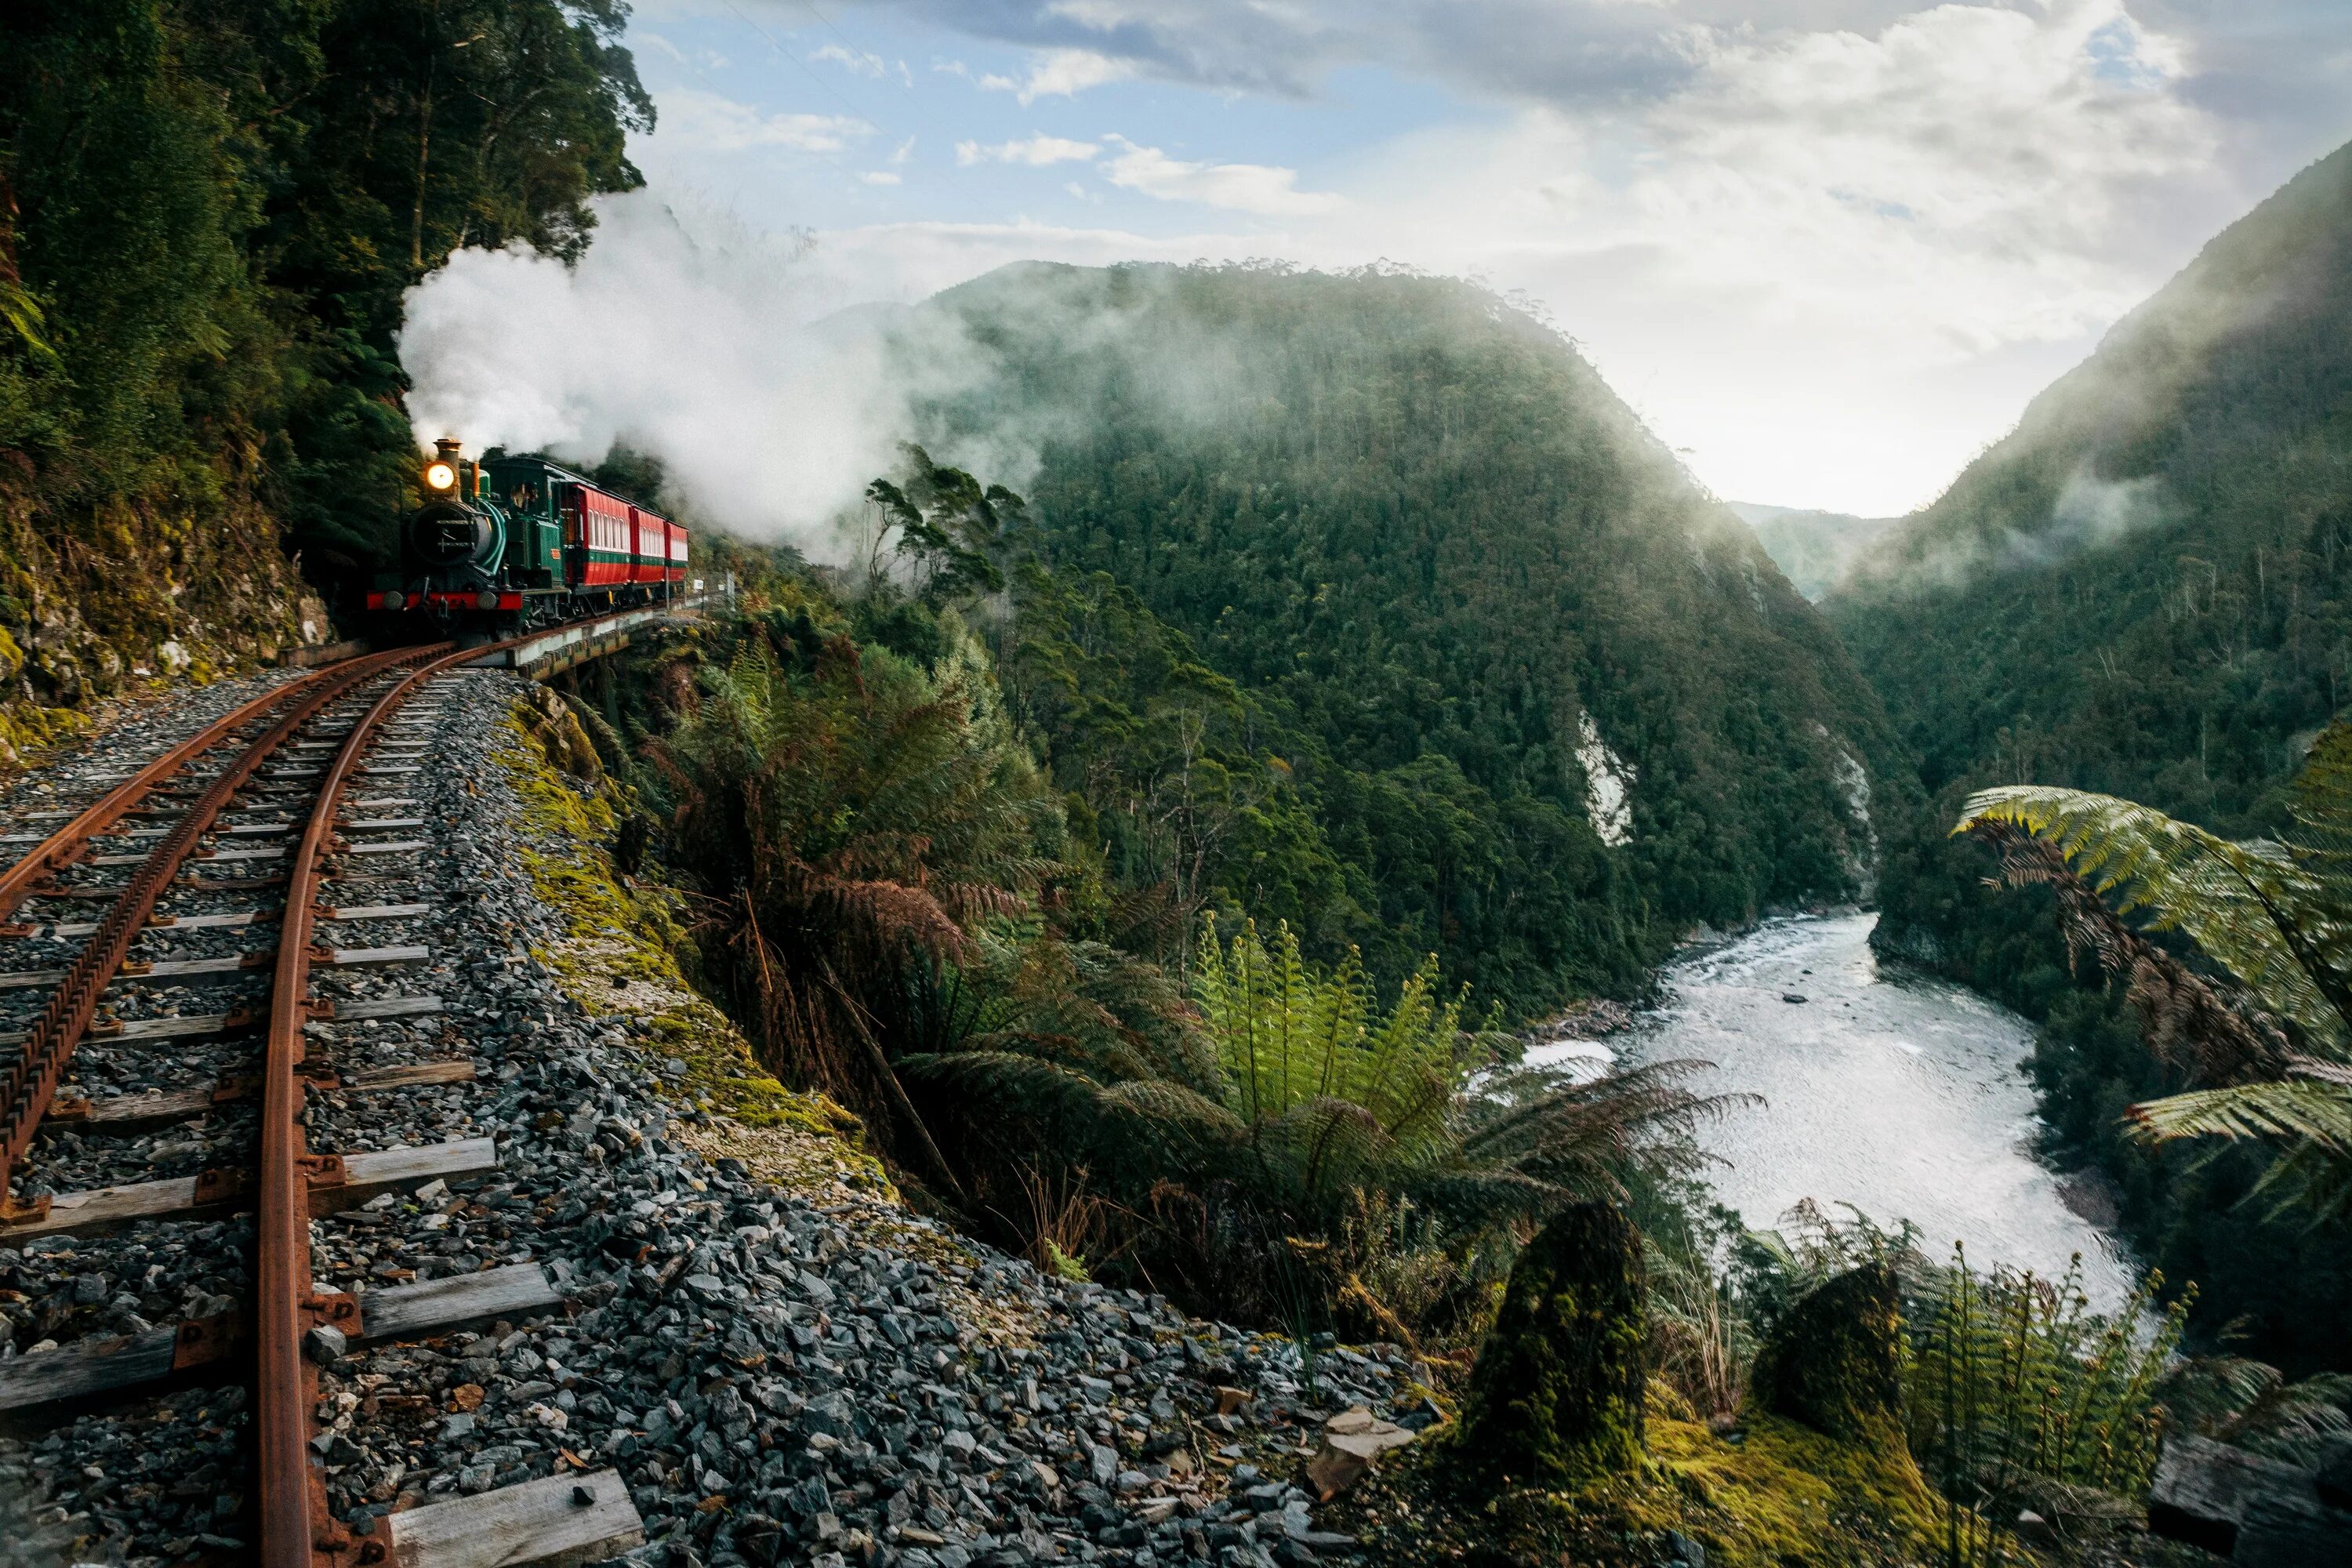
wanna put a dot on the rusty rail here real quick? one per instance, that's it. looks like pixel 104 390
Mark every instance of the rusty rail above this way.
pixel 63 846
pixel 28 1083
pixel 299 1529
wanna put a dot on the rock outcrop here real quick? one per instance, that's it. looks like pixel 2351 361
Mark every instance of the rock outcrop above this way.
pixel 1557 1398
pixel 1835 1362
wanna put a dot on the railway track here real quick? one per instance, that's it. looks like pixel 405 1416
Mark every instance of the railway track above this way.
pixel 266 815
pixel 547 1307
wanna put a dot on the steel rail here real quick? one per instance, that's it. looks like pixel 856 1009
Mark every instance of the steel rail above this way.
pixel 299 1529
pixel 63 847
pixel 28 1082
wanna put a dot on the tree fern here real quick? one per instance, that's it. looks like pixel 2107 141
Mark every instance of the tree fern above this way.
pixel 2018 1395
pixel 2257 908
pixel 2276 915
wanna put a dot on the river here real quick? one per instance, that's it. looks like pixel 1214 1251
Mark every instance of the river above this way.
pixel 1898 1094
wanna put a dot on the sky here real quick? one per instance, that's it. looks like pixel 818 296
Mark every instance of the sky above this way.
pixel 1828 249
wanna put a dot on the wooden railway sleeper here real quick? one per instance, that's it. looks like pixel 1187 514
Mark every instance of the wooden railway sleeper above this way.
pixel 29 1081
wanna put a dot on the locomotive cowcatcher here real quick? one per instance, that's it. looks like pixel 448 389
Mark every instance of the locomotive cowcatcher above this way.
pixel 516 542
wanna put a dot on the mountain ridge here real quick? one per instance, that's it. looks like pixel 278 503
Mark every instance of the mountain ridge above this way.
pixel 2144 590
pixel 1420 529
pixel 2189 476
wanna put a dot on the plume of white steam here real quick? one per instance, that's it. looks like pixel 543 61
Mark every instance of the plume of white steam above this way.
pixel 685 335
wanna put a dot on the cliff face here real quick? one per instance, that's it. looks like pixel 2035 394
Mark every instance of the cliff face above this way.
pixel 154 588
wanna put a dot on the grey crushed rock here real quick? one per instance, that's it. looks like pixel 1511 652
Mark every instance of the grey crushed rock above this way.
pixel 780 1376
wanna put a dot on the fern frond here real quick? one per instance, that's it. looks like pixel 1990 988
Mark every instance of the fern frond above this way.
pixel 2304 1109
pixel 2269 919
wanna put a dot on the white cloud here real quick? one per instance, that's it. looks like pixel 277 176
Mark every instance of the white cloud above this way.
pixel 1829 265
pixel 879 177
pixel 1036 151
pixel 1239 187
pixel 702 59
pixel 905 262
pixel 1060 73
pixel 696 121
pixel 1828 247
pixel 1832 265
pixel 904 150
pixel 857 62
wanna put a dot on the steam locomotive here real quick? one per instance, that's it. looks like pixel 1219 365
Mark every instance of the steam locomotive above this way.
pixel 518 543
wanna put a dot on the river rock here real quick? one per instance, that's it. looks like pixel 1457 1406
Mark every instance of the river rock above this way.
pixel 1556 1398
pixel 1834 1361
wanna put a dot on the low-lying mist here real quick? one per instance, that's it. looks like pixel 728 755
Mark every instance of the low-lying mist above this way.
pixel 2087 513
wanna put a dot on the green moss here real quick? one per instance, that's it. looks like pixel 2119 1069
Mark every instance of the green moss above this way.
pixel 1780 1496
pixel 1569 1454
pixel 1834 1361
pixel 1788 1494
pixel 1556 1398
pixel 630 932
pixel 133 596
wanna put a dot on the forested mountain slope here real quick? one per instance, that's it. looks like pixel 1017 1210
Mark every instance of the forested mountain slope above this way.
pixel 1812 549
pixel 2145 589
pixel 1475 619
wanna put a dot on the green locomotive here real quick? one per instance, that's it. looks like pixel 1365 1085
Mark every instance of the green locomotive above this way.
pixel 517 542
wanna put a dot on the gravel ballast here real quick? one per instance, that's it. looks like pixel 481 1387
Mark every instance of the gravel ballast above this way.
pixel 783 1363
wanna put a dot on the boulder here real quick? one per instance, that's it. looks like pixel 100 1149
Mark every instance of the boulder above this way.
pixel 1554 1400
pixel 1353 1441
pixel 2247 1507
pixel 1834 1363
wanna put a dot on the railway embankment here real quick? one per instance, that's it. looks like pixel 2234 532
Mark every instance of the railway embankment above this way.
pixel 611 1267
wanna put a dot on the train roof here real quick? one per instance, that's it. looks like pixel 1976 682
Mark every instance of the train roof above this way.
pixel 558 471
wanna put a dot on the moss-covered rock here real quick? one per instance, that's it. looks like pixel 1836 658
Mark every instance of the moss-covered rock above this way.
pixel 1776 1494
pixel 1556 1400
pixel 553 723
pixel 1835 1360
pixel 177 581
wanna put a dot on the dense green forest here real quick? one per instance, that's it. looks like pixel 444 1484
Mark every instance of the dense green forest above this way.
pixel 1159 862
pixel 209 213
pixel 2145 589
pixel 1349 573
pixel 858 782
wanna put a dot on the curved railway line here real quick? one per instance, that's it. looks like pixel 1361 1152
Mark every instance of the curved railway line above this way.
pixel 354 1221
pixel 254 819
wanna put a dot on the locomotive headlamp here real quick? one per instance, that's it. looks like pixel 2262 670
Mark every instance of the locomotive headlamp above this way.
pixel 439 476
